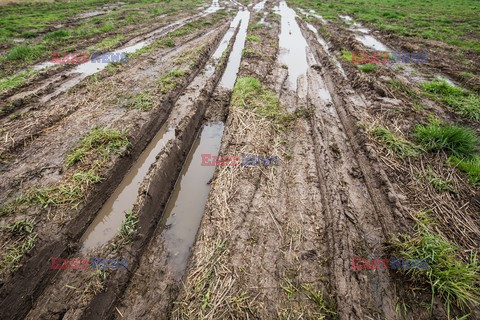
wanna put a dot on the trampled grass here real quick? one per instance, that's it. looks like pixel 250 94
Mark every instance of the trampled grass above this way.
pixel 448 276
pixel 400 146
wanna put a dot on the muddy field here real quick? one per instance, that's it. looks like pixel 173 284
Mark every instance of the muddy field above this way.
pixel 239 165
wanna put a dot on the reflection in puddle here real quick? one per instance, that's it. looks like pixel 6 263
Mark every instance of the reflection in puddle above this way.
pixel 233 64
pixel 259 6
pixel 182 216
pixel 371 42
pixel 292 45
pixel 109 219
pixel 365 39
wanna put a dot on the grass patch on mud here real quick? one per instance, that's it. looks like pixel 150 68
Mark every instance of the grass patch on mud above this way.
pixel 448 275
pixel 299 291
pixel 129 226
pixel 456 140
pixel 250 93
pixel 104 141
pixel 463 102
pixel 25 53
pixel 16 80
pixel 170 80
pixel 142 101
pixel 462 144
pixel 369 67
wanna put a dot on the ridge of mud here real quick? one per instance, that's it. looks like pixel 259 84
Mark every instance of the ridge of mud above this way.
pixel 29 281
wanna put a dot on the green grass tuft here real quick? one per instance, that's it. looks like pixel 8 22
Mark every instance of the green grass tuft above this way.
pixel 26 53
pixel 456 281
pixel 16 252
pixel 59 34
pixel 21 227
pixel 463 102
pixel 369 67
pixel 16 80
pixel 400 146
pixel 249 93
pixel 143 101
pixel 129 226
pixel 165 42
pixel 458 141
pixel 105 141
pixel 470 166
pixel 253 38
pixel 167 81
pixel 347 55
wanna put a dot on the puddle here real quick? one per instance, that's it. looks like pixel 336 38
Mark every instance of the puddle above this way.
pixel 89 14
pixel 365 39
pixel 43 65
pixel 259 6
pixel 109 219
pixel 213 8
pixel 183 213
pixel 292 45
pixel 371 42
pixel 346 18
pixel 233 64
pixel 326 47
pixel 311 13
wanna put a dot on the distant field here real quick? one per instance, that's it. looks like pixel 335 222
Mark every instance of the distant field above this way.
pixel 455 22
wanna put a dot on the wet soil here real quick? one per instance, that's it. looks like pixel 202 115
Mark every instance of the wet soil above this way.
pixel 232 242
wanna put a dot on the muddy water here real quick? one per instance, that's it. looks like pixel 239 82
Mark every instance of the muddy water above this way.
pixel 259 6
pixel 182 216
pixel 109 219
pixel 233 64
pixel 366 39
pixel 292 45
pixel 326 47
pixel 371 42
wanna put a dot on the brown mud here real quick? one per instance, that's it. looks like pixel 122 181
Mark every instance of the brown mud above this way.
pixel 141 131
pixel 232 242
